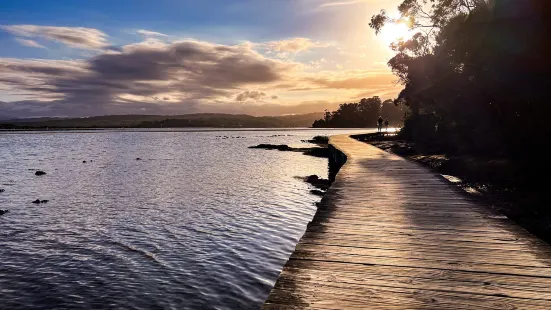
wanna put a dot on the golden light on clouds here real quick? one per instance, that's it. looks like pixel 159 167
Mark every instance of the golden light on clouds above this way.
pixel 332 58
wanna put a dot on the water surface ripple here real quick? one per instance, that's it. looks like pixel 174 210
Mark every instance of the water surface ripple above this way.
pixel 200 222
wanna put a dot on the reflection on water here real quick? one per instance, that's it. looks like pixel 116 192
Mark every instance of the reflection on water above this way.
pixel 201 221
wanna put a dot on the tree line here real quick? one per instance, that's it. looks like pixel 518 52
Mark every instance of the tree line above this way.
pixel 362 114
pixel 165 121
pixel 476 77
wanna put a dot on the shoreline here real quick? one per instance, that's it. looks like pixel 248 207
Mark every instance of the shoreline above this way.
pixel 323 149
pixel 175 129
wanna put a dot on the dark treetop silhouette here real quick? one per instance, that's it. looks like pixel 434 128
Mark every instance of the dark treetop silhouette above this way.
pixel 476 75
pixel 362 114
pixel 476 81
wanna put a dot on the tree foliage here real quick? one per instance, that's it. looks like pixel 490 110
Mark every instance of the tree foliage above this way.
pixel 475 75
pixel 361 114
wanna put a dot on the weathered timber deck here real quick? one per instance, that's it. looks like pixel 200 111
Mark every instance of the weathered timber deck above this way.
pixel 390 234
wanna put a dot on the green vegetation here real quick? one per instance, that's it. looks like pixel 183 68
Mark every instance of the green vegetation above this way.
pixel 362 114
pixel 166 121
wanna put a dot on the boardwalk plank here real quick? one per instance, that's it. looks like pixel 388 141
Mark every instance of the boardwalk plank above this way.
pixel 390 234
pixel 344 279
pixel 471 257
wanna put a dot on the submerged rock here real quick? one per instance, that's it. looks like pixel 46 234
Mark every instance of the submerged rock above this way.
pixel 83 161
pixel 312 178
pixel 137 158
pixel 40 201
pixel 39 172
pixel 36 201
pixel 2 190
pixel 317 152
pixel 311 151
pixel 318 182
pixel 324 140
pixel 2 212
pixel 280 147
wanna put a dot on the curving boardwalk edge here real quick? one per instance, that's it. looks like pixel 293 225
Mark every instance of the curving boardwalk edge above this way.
pixel 390 234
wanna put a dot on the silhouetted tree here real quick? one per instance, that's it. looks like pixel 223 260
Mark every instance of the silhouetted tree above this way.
pixel 362 114
pixel 475 76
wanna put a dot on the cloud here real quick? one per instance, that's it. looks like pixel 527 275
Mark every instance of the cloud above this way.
pixel 271 109
pixel 148 33
pixel 383 92
pixel 316 64
pixel 340 3
pixel 255 95
pixel 293 45
pixel 29 43
pixel 352 79
pixel 77 37
pixel 157 77
pixel 182 74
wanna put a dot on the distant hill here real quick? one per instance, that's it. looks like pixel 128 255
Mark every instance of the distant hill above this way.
pixel 166 121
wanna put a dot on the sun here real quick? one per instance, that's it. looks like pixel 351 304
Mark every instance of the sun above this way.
pixel 392 32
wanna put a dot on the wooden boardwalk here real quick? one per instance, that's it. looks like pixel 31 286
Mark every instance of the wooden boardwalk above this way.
pixel 390 234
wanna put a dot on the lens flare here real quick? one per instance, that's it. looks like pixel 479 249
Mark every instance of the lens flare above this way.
pixel 393 32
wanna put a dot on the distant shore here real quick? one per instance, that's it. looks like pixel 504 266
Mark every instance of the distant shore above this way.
pixel 175 129
pixel 199 120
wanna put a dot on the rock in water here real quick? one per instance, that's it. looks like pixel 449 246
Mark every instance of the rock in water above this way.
pixel 2 190
pixel 138 158
pixel 40 172
pixel 312 178
pixel 318 182
pixel 83 161
pixel 40 201
pixel 2 212
pixel 281 147
pixel 317 152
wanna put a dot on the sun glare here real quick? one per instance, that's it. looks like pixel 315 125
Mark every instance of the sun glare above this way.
pixel 392 32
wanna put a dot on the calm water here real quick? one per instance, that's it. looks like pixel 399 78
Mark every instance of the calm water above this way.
pixel 201 222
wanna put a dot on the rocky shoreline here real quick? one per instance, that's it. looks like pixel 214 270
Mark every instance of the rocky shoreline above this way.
pixel 322 150
pixel 311 151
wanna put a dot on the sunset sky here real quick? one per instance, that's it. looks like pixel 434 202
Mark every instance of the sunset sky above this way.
pixel 259 57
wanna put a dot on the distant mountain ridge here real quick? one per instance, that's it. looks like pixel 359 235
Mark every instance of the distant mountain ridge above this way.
pixel 166 121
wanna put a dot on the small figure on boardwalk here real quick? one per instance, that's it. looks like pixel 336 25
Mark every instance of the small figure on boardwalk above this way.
pixel 380 124
pixel 386 124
